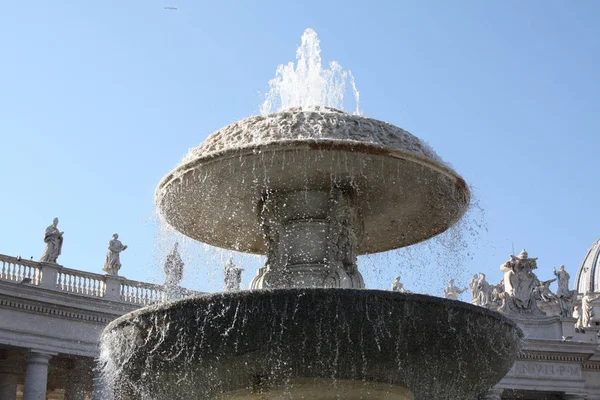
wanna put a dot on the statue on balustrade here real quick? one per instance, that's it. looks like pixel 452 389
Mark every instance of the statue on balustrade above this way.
pixel 451 292
pixel 587 311
pixel 398 286
pixel 112 263
pixel 521 286
pixel 484 291
pixel 473 287
pixel 564 296
pixel 481 291
pixel 497 291
pixel 173 272
pixel 232 276
pixel 54 241
pixel 542 291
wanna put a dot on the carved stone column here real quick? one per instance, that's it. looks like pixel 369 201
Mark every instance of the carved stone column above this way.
pixel 312 238
pixel 36 376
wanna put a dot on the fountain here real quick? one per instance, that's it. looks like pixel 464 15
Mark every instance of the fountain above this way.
pixel 310 187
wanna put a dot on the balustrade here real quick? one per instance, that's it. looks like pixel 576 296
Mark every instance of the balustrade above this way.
pixel 18 270
pixel 141 293
pixel 82 283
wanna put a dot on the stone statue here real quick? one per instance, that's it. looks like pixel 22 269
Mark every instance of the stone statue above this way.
pixel 521 286
pixel 397 286
pixel 587 311
pixel 484 291
pixel 54 241
pixel 564 296
pixel 473 287
pixel 451 292
pixel 112 263
pixel 173 272
pixel 542 291
pixel 497 291
pixel 232 276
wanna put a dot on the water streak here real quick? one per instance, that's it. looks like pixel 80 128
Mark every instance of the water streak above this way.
pixel 307 84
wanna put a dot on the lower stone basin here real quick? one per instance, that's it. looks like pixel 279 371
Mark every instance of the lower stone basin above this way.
pixel 311 344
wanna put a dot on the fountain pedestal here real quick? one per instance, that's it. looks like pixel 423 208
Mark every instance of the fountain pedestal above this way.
pixel 312 239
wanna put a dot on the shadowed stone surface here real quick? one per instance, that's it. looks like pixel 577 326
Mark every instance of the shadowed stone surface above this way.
pixel 266 341
pixel 404 193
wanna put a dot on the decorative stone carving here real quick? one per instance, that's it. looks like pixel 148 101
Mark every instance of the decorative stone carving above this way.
pixel 54 241
pixel 473 288
pixel 521 286
pixel 564 296
pixel 271 223
pixel 481 291
pixel 484 291
pixel 232 276
pixel 542 291
pixel 312 239
pixel 173 271
pixel 398 286
pixel 497 291
pixel 452 292
pixel 587 311
pixel 345 233
pixel 112 263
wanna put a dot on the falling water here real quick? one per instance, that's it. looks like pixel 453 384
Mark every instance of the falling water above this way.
pixel 307 84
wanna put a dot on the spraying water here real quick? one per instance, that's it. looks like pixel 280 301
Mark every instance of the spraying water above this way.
pixel 307 84
pixel 310 188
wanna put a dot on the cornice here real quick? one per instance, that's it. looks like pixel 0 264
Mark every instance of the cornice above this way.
pixel 56 310
pixel 65 299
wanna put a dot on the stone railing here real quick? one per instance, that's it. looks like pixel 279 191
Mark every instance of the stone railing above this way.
pixel 56 277
pixel 80 282
pixel 141 293
pixel 19 270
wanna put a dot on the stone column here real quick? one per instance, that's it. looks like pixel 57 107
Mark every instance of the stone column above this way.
pixel 36 376
pixel 8 385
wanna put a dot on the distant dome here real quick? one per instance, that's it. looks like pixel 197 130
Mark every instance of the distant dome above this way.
pixel 588 275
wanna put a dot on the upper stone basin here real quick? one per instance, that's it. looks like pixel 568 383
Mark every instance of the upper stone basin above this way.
pixel 404 192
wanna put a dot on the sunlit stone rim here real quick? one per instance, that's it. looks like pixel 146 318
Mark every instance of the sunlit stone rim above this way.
pixel 318 124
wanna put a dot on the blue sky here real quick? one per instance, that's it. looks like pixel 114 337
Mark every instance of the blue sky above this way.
pixel 98 100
